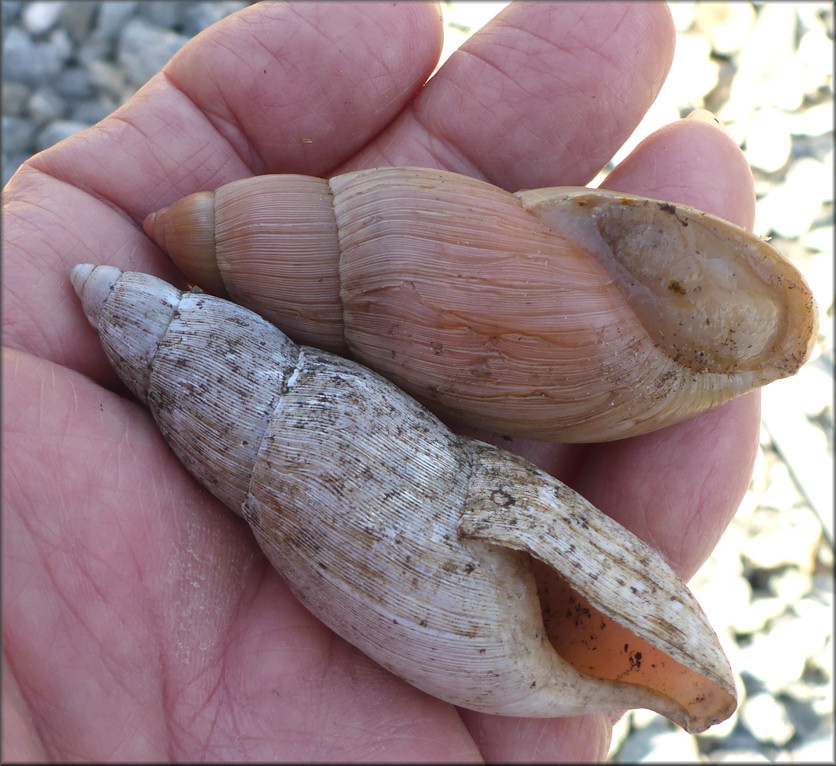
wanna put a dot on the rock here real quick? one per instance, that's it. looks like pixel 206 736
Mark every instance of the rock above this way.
pixel 693 73
pixel 144 50
pixel 58 131
pixel 760 475
pixel 814 14
pixel 767 719
pixel 11 11
pixel 819 148
pixel 719 585
pixel 95 49
pixel 675 746
pixel 90 112
pixel 110 79
pixel 775 659
pixel 74 84
pixel 195 17
pixel 823 705
pixel 39 17
pixel 641 718
pixel 739 756
pixel 817 615
pixel 790 209
pixel 815 53
pixel 768 70
pixel 813 179
pixel 740 739
pixel 790 585
pixel 803 440
pixel 28 62
pixel 77 18
pixel 470 17
pixel 808 722
pixel 823 579
pixel 15 97
pixel 779 493
pixel 112 18
pixel 659 743
pixel 816 750
pixel 768 142
pixel 161 13
pixel 620 732
pixel 715 100
pixel 62 44
pixel 18 134
pixel 812 132
pixel 725 25
pixel 45 105
pixel 758 614
pixel 787 537
pixel 683 15
pixel 819 239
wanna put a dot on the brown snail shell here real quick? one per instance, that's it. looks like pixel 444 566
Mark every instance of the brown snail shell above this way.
pixel 412 543
pixel 560 314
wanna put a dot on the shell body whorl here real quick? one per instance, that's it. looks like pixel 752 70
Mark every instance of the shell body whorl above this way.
pixel 559 314
pixel 410 542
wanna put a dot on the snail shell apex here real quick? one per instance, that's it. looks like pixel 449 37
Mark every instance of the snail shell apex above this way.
pixel 409 541
pixel 562 314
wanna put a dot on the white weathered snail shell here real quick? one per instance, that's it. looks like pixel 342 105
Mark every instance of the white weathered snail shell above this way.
pixel 412 543
pixel 565 314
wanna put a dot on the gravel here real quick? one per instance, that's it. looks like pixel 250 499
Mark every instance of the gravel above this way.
pixel 67 65
pixel 767 71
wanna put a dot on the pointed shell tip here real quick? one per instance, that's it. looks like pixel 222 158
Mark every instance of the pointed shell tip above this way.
pixel 79 275
pixel 92 285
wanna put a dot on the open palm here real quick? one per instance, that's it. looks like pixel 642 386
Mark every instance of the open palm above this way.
pixel 140 620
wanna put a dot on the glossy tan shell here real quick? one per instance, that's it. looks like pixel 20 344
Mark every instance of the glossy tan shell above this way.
pixel 557 314
pixel 410 542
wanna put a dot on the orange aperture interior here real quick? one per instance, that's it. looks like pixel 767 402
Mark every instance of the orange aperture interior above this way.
pixel 596 645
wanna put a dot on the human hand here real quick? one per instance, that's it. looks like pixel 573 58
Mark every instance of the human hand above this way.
pixel 141 621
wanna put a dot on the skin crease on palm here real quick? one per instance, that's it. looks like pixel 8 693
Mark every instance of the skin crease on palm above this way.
pixel 140 620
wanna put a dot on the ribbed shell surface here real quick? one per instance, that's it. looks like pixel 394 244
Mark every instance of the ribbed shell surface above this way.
pixel 355 493
pixel 410 542
pixel 561 314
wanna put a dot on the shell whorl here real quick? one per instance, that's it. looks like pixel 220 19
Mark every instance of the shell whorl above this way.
pixel 560 314
pixel 412 543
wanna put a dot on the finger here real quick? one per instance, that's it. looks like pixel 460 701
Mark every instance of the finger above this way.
pixel 335 75
pixel 679 487
pixel 581 739
pixel 317 86
pixel 694 162
pixel 543 95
